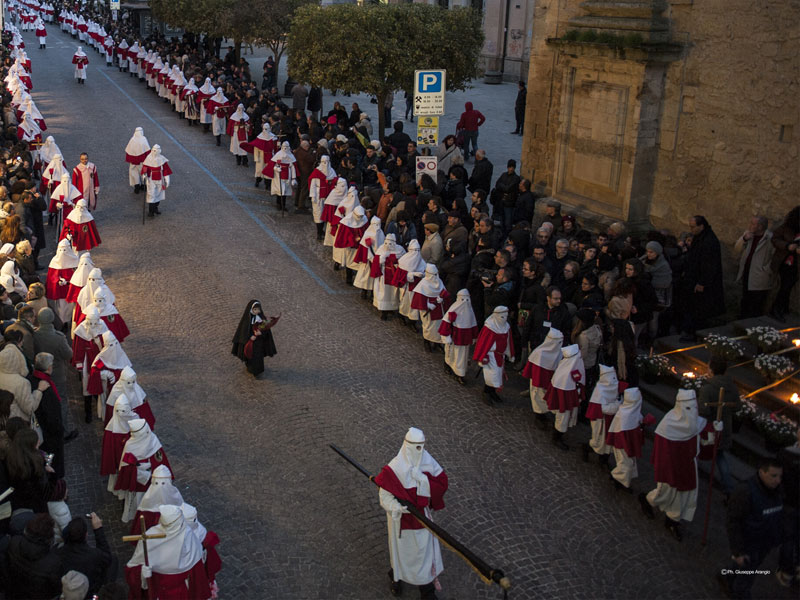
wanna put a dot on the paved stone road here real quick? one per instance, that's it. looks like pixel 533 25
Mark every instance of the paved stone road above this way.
pixel 253 456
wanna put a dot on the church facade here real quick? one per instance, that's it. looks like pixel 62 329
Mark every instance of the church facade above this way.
pixel 650 111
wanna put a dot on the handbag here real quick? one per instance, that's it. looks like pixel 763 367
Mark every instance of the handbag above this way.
pixel 460 138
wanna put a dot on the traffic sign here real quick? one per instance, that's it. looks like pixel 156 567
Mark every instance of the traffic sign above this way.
pixel 114 4
pixel 428 131
pixel 427 165
pixel 429 88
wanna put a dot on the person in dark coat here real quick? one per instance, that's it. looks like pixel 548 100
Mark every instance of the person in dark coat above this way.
pixel 32 562
pixel 454 268
pixel 253 339
pixel 314 102
pixel 703 294
pixel 48 413
pixel 552 313
pixel 399 140
pixel 305 166
pixel 756 523
pixel 504 195
pixel 481 178
pixel 526 203
pixel 519 107
pixel 98 563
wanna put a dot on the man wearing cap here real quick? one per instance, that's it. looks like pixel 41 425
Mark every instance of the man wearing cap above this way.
pixel 413 476
pixel 679 440
pixel 454 232
pixel 176 568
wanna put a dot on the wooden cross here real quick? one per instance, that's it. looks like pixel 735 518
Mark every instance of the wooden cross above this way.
pixel 720 404
pixel 143 537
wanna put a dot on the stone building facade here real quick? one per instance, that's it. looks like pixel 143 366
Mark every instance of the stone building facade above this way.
pixel 650 111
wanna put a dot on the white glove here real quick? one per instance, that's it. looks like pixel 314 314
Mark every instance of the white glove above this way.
pixel 62 281
pixel 409 278
pixel 399 512
pixel 108 376
pixel 59 205
pixel 294 182
pixel 439 300
pixel 447 339
pixel 147 573
pixel 717 425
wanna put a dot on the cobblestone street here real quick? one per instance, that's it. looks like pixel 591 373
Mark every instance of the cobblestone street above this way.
pixel 295 521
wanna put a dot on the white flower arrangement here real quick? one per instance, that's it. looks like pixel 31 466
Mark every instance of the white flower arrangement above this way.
pixel 747 411
pixel 773 367
pixel 694 382
pixel 723 346
pixel 656 365
pixel 779 429
pixel 767 339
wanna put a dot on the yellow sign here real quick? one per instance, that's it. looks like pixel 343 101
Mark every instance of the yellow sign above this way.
pixel 428 131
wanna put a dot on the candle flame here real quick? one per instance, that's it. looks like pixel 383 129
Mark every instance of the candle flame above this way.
pixel 689 374
pixel 796 343
pixel 795 398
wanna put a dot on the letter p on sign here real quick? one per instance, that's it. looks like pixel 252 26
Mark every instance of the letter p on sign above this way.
pixel 429 82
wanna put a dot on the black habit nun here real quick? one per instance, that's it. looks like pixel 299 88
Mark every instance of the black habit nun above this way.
pixel 253 340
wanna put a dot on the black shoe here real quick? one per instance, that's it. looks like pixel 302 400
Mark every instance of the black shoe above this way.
pixel 395 587
pixel 460 380
pixel 218 140
pixel 674 528
pixel 70 436
pixel 647 508
pixel 585 452
pixel 244 161
pixel 238 160
pixel 427 345
pixel 335 266
pixel 87 408
pixel 258 180
pixel 384 315
pixel 495 396
pixel 541 421
pixel 136 189
pixel 363 294
pixel 515 133
pixel 603 460
pixel 558 441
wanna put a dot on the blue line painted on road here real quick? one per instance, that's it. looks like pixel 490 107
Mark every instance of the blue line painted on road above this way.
pixel 233 196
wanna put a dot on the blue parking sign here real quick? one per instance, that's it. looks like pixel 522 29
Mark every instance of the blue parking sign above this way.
pixel 429 82
pixel 429 89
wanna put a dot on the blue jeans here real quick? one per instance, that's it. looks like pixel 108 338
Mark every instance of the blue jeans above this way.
pixel 473 137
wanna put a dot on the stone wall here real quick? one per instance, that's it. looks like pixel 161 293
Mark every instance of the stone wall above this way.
pixel 729 133
pixel 712 130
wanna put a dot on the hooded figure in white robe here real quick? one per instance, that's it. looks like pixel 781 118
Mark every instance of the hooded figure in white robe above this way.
pixel 458 329
pixel 137 150
pixel 411 269
pixel 414 552
pixel 603 405
pixel 541 365
pixel 385 273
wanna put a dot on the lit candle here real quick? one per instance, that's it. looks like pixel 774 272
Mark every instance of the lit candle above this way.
pixel 796 343
pixel 795 398
pixel 689 374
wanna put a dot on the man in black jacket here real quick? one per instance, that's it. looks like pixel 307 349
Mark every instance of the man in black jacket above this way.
pixel 504 195
pixel 481 178
pixel 98 563
pixel 756 523
pixel 526 203
pixel 519 107
pixel 544 316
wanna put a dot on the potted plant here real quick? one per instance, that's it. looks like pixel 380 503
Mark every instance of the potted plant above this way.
pixel 746 413
pixel 779 431
pixel 767 339
pixel 692 381
pixel 773 367
pixel 723 347
pixel 652 367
